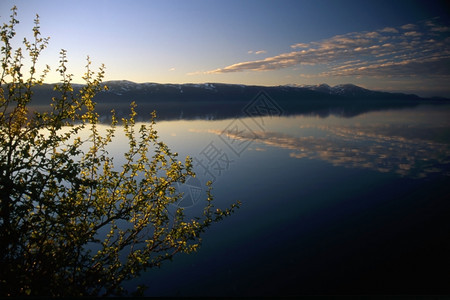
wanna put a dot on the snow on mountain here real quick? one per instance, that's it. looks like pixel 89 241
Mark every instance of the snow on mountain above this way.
pixel 119 86
pixel 340 89
pixel 207 86
pixel 124 88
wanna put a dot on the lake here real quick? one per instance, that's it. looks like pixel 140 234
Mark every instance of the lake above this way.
pixel 330 205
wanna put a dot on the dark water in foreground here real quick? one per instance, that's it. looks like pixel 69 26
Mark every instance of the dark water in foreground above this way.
pixel 330 205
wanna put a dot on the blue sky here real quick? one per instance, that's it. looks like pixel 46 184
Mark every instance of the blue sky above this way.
pixel 384 45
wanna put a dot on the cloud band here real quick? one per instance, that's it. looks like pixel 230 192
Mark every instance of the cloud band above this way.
pixel 409 50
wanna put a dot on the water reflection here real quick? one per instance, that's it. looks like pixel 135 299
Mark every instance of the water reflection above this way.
pixel 330 230
pixel 412 142
pixel 384 148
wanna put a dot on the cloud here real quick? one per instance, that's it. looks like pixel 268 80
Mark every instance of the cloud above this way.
pixel 196 73
pixel 172 69
pixel 257 52
pixel 441 29
pixel 408 50
pixel 408 27
pixel 300 45
pixel 413 33
pixel 389 30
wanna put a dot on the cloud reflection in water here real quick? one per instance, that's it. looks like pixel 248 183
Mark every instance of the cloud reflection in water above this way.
pixel 362 147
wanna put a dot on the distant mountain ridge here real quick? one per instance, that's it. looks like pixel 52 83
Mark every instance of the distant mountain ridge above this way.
pixel 236 92
pixel 219 100
pixel 125 91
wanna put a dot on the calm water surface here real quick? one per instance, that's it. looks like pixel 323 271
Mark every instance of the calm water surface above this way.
pixel 330 205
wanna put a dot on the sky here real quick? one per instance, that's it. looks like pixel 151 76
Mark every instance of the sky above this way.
pixel 399 46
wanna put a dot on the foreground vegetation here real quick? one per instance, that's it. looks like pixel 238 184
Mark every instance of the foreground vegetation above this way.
pixel 72 222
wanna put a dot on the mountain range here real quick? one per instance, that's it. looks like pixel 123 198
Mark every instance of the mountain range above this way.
pixel 218 100
pixel 120 90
